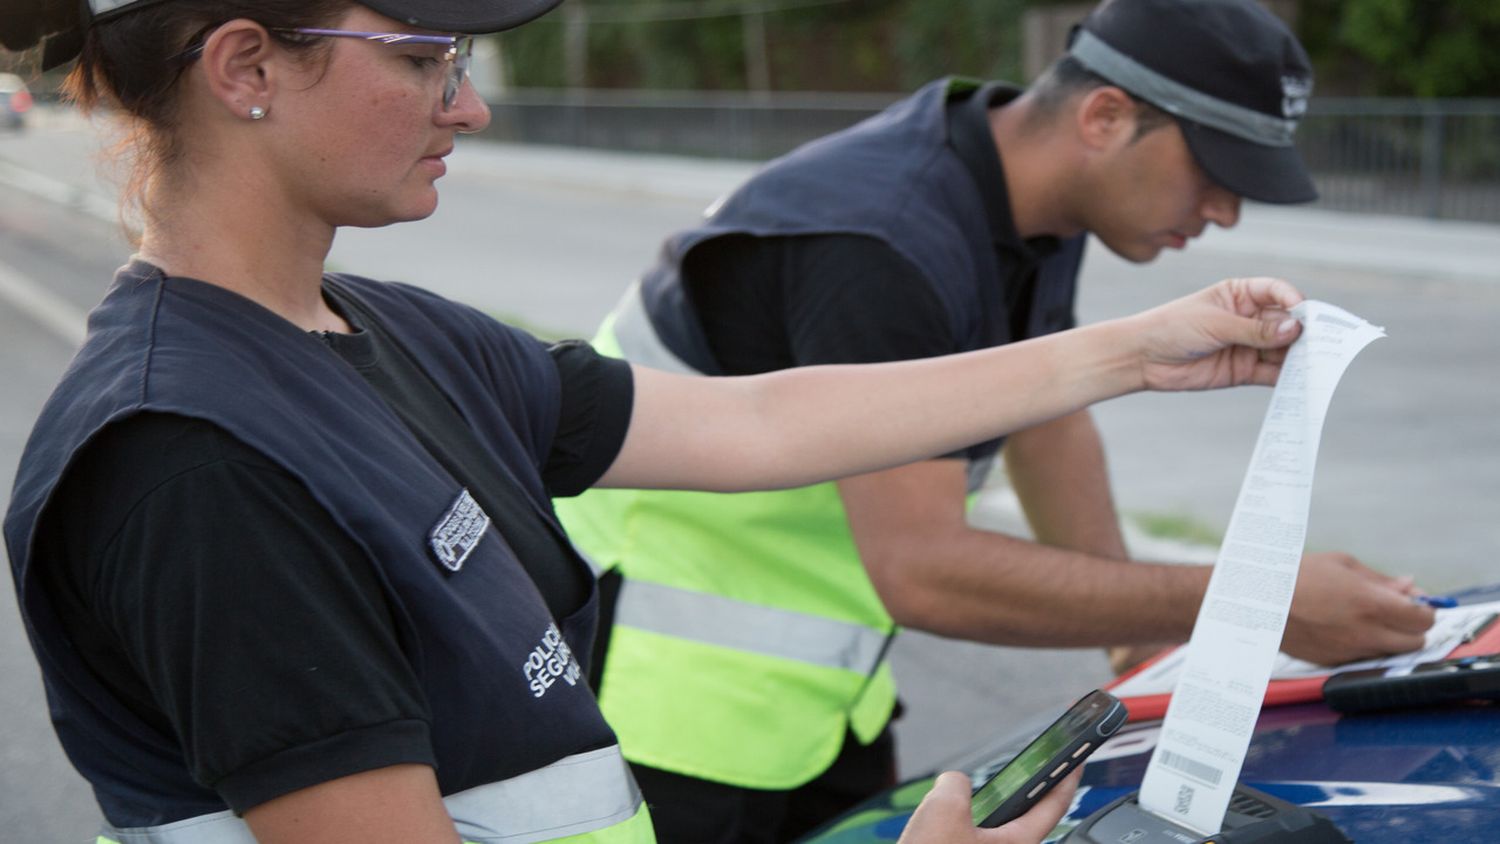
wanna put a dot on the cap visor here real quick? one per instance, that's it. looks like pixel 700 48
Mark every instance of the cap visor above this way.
pixel 1253 171
pixel 464 16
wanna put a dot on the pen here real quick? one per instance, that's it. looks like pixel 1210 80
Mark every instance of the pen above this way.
pixel 1438 602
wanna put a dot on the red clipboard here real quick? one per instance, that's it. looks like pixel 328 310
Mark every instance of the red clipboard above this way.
pixel 1484 640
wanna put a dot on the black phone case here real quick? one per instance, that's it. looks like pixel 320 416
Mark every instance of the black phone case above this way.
pixel 1060 763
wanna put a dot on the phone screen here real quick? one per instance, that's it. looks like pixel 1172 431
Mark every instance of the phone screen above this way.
pixel 1094 717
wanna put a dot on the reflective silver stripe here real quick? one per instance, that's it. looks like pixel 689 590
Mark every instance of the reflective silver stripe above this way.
pixel 1179 99
pixel 769 631
pixel 581 793
pixel 217 828
pixel 638 338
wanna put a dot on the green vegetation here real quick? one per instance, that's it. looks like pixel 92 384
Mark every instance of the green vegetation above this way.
pixel 1425 48
pixel 1421 48
pixel 843 45
pixel 1177 527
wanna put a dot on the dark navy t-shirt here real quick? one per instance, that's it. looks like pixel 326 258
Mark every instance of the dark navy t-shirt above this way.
pixel 181 642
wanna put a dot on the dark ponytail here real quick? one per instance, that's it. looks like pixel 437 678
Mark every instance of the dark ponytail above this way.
pixel 125 65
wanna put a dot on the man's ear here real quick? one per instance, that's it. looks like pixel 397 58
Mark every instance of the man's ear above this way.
pixel 237 62
pixel 1105 118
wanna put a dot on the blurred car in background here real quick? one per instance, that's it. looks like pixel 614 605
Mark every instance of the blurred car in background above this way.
pixel 15 101
pixel 1390 777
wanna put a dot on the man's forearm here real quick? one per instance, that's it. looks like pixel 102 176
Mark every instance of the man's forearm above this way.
pixel 936 573
pixel 1058 472
pixel 1003 590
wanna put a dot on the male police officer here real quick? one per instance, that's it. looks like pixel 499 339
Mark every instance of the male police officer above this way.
pixel 746 674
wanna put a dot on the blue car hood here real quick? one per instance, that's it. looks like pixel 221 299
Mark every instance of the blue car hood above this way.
pixel 1421 775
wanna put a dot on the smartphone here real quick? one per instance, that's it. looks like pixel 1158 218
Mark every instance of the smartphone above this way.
pixel 1060 748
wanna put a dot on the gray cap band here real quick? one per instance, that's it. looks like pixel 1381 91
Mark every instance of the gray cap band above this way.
pixel 102 9
pixel 1179 99
pixel 99 7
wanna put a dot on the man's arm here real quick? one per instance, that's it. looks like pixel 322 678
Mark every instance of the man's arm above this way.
pixel 1059 473
pixel 936 573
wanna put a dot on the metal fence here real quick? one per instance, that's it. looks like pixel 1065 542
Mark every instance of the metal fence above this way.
pixel 1433 158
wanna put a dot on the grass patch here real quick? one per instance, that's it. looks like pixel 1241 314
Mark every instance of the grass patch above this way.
pixel 1177 527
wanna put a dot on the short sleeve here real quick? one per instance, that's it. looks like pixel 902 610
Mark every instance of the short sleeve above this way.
pixel 597 395
pixel 772 303
pixel 237 613
pixel 769 303
pixel 853 299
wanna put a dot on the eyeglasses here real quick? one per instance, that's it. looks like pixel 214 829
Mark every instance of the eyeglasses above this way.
pixel 458 55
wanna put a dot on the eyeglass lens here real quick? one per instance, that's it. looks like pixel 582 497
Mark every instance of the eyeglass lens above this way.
pixel 463 51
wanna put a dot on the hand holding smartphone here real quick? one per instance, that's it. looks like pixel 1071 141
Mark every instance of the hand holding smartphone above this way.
pixel 1060 748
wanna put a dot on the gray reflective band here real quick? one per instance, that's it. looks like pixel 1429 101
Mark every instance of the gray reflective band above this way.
pixel 99 7
pixel 769 631
pixel 218 828
pixel 638 339
pixel 1179 99
pixel 581 793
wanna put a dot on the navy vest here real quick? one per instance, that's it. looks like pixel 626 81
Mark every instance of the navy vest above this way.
pixel 893 177
pixel 473 635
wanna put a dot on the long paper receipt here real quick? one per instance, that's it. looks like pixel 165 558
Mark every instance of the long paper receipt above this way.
pixel 1238 632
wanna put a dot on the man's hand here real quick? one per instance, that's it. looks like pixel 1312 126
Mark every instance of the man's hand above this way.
pixel 1343 611
pixel 1122 658
pixel 947 817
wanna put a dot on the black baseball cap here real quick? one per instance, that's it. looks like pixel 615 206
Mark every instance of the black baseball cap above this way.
pixel 62 23
pixel 1229 71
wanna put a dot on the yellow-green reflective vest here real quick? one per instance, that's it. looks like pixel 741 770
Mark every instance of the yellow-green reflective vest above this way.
pixel 586 798
pixel 747 636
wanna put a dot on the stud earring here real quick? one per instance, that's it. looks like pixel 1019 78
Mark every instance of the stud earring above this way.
pixel 257 113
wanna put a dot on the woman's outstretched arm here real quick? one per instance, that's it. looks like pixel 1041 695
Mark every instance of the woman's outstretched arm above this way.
pixel 811 424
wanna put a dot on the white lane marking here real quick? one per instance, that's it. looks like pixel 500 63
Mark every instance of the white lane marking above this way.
pixel 48 310
pixel 58 192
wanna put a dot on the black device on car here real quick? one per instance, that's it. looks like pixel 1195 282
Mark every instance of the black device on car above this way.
pixel 1253 816
pixel 1430 683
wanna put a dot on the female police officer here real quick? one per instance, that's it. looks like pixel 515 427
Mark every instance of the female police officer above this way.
pixel 283 538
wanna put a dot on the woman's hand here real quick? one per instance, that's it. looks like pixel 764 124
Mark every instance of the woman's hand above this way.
pixel 1235 332
pixel 946 816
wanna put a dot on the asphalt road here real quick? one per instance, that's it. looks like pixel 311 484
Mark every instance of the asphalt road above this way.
pixel 1408 475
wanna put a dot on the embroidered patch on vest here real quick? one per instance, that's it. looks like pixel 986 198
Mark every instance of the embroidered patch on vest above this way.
pixel 458 532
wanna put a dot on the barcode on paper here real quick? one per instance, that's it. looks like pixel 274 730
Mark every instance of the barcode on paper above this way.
pixel 1192 767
